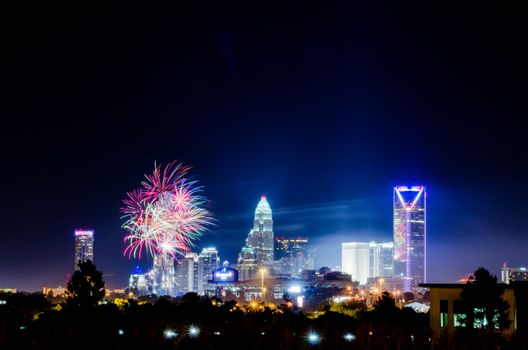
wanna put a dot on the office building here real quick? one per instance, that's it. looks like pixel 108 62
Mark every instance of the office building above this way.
pixel 84 241
pixel 355 257
pixel 210 262
pixel 510 274
pixel 246 264
pixel 260 238
pixel 381 260
pixel 164 275
pixel 293 254
pixel 409 203
pixel 189 274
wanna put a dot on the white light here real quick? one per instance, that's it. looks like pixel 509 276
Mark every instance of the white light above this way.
pixel 300 301
pixel 216 333
pixel 120 332
pixel 313 337
pixel 169 334
pixel 193 331
pixel 294 289
pixel 349 337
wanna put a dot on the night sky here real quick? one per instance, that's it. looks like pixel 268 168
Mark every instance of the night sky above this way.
pixel 323 107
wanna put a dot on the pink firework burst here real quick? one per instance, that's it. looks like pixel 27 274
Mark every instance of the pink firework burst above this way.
pixel 166 215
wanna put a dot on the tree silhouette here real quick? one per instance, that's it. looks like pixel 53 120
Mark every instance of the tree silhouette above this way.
pixel 482 302
pixel 86 286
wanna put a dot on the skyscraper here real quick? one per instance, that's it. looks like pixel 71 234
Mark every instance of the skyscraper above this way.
pixel 260 238
pixel 410 235
pixel 294 255
pixel 164 274
pixel 189 274
pixel 247 265
pixel 210 262
pixel 83 246
pixel 355 260
pixel 381 260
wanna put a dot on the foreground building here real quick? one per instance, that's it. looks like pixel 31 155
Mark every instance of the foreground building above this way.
pixel 447 314
pixel 410 235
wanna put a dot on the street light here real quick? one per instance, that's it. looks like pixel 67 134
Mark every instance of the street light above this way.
pixel 262 271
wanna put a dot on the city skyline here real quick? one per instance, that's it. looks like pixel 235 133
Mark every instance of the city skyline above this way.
pixel 325 108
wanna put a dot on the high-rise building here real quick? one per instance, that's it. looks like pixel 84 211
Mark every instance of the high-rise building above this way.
pixel 210 262
pixel 189 274
pixel 138 283
pixel 247 265
pixel 510 274
pixel 381 260
pixel 293 254
pixel 164 274
pixel 410 235
pixel 364 260
pixel 355 260
pixel 84 240
pixel 260 238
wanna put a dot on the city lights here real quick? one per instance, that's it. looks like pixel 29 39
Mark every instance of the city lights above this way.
pixel 170 334
pixel 313 338
pixel 193 331
pixel 349 337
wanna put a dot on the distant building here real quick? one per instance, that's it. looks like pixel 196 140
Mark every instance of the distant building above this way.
pixel 410 235
pixel 8 290
pixel 381 260
pixel 247 265
pixel 53 292
pixel 84 241
pixel 364 260
pixel 138 282
pixel 189 274
pixel 164 275
pixel 293 254
pixel 210 262
pixel 510 274
pixel 355 260
pixel 260 238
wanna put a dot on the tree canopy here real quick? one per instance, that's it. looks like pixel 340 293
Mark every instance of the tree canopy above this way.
pixel 86 286
pixel 483 303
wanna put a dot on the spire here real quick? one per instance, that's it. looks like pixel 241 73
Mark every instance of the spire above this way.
pixel 263 206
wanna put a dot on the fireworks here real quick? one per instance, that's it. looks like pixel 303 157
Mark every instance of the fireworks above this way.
pixel 165 215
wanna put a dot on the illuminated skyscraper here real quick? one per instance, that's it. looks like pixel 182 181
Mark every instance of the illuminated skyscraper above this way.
pixel 189 274
pixel 293 254
pixel 164 274
pixel 83 246
pixel 381 261
pixel 247 266
pixel 210 262
pixel 355 260
pixel 410 235
pixel 260 238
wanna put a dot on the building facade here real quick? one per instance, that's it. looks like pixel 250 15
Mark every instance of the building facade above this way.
pixel 246 264
pixel 409 203
pixel 164 275
pixel 293 254
pixel 381 261
pixel 510 274
pixel 210 262
pixel 260 238
pixel 189 274
pixel 355 258
pixel 84 241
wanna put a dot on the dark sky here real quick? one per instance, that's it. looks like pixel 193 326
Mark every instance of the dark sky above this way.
pixel 322 106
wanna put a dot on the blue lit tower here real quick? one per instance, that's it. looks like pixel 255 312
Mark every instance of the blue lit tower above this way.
pixel 83 246
pixel 410 235
pixel 260 238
